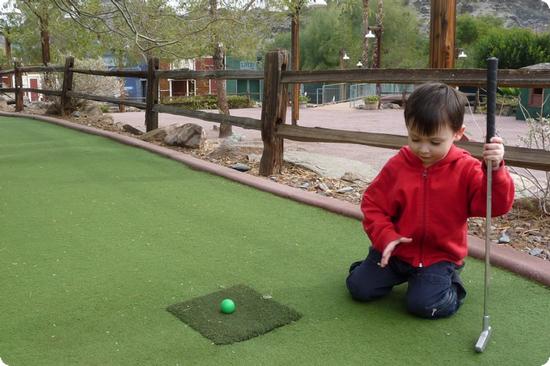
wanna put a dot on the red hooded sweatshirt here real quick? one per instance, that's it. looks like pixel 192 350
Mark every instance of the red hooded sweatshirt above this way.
pixel 431 205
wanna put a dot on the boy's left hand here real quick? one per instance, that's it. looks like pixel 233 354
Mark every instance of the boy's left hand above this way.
pixel 494 152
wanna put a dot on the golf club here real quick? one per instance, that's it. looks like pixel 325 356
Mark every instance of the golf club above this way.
pixel 492 66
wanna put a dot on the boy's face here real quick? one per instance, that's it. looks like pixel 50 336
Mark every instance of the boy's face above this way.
pixel 431 149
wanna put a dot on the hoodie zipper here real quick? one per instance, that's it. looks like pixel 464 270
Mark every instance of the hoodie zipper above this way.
pixel 424 214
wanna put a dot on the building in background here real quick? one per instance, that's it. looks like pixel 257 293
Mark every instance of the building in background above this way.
pixel 535 101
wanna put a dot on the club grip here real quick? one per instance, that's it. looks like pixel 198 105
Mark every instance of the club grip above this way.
pixel 492 67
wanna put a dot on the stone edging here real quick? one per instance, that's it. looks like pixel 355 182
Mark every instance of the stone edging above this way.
pixel 502 256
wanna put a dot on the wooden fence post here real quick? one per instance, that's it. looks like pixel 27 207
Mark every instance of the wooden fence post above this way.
pixel 67 86
pixel 273 111
pixel 152 98
pixel 18 86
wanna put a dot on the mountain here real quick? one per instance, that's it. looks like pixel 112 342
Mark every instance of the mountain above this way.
pixel 534 14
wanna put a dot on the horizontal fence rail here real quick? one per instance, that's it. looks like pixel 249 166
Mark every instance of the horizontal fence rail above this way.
pixel 515 156
pixel 244 122
pixel 41 69
pixel 222 74
pixel 100 98
pixel 41 91
pixel 458 77
pixel 36 69
pixel 118 73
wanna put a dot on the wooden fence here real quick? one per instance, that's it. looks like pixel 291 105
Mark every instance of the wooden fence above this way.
pixel 274 107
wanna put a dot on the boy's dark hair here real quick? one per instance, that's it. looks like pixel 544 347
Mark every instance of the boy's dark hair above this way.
pixel 432 105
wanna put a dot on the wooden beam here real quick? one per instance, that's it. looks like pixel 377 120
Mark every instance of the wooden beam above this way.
pixel 7 72
pixel 466 77
pixel 42 69
pixel 220 74
pixel 119 73
pixel 100 98
pixel 515 156
pixel 244 122
pixel 273 112
pixel 442 34
pixel 42 91
pixel 18 86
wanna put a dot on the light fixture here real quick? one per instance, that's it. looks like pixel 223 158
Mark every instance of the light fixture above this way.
pixel 359 64
pixel 370 34
pixel 345 57
pixel 462 54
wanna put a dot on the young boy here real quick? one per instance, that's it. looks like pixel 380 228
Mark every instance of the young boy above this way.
pixel 416 209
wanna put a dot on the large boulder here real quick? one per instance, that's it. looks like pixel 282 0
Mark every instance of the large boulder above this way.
pixel 188 135
pixel 91 111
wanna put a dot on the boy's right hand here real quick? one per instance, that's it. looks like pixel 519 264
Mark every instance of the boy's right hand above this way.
pixel 386 254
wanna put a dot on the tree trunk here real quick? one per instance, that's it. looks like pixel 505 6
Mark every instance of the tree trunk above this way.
pixel 7 47
pixel 45 43
pixel 365 55
pixel 219 64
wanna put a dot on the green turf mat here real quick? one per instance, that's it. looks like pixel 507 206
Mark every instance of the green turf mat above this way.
pixel 255 315
pixel 98 238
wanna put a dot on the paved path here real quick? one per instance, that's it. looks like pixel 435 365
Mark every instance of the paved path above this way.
pixel 335 159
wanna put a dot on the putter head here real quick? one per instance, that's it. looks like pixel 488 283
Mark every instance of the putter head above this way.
pixel 483 340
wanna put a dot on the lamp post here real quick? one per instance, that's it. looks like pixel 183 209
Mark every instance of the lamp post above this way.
pixel 343 58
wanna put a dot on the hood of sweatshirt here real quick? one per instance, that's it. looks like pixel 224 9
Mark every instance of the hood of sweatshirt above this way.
pixel 453 155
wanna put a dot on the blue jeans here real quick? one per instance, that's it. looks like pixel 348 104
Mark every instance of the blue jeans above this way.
pixel 435 291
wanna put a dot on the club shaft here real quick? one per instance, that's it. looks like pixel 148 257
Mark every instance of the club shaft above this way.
pixel 488 240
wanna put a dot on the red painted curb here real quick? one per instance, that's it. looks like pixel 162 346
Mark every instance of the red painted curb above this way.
pixel 502 256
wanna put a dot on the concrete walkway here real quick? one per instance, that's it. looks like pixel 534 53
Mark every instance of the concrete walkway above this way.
pixel 330 159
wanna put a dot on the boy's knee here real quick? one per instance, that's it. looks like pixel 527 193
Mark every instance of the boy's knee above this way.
pixel 442 307
pixel 359 291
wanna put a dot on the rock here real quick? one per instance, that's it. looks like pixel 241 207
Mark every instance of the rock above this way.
pixel 76 114
pixel 158 134
pixel 352 177
pixel 53 109
pixel 91 110
pixel 131 129
pixel 391 106
pixel 254 158
pixel 304 185
pixel 504 238
pixel 345 190
pixel 536 252
pixel 188 135
pixel 234 138
pixel 240 167
pixel 323 187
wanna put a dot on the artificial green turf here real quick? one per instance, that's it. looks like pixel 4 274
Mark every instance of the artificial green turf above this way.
pixel 98 238
pixel 255 314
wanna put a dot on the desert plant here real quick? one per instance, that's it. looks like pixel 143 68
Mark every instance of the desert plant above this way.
pixel 303 99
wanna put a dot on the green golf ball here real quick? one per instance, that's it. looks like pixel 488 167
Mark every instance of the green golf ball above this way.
pixel 227 306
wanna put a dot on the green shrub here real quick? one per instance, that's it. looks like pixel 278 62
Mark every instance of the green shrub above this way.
pixel 509 91
pixel 303 99
pixel 371 99
pixel 207 101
